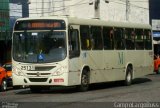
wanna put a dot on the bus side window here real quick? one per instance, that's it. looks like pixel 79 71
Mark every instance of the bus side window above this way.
pixel 96 38
pixel 85 37
pixel 119 38
pixel 112 38
pixel 74 50
pixel 108 38
pixel 148 39
pixel 139 39
pixel 130 38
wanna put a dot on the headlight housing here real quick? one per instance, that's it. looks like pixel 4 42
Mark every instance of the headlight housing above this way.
pixel 58 72
pixel 18 72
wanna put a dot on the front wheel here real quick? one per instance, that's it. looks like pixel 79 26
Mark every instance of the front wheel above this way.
pixel 84 81
pixel 128 78
pixel 4 85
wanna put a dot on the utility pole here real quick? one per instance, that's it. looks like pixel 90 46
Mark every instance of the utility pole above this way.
pixel 25 8
pixel 97 7
pixel 64 12
pixel 42 7
pixel 49 9
pixel 127 9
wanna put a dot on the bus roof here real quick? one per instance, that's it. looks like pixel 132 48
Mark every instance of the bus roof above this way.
pixel 94 22
pixel 97 22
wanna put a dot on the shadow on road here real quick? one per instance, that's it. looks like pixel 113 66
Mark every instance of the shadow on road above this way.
pixel 141 80
pixel 117 84
pixel 52 90
pixel 99 86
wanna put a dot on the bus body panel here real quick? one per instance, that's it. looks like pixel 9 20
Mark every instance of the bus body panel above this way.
pixel 34 77
pixel 104 65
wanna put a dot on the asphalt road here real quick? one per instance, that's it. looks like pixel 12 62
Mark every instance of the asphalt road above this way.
pixel 143 90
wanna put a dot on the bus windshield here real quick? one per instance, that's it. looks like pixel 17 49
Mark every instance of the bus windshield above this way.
pixel 39 46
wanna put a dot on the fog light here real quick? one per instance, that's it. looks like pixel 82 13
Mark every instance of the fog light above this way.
pixel 25 80
pixel 50 80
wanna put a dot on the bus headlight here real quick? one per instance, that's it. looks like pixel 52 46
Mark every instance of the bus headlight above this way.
pixel 59 71
pixel 18 72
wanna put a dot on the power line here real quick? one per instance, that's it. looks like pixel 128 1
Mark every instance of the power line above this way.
pixel 131 4
pixel 88 2
pixel 62 8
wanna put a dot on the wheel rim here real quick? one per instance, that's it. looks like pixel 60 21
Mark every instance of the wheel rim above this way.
pixel 4 85
pixel 84 80
pixel 129 77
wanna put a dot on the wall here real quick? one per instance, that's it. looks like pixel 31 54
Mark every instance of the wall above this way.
pixel 154 6
pixel 115 10
pixel 4 15
pixel 4 30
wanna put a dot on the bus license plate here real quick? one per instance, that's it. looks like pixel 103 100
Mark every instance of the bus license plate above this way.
pixel 28 68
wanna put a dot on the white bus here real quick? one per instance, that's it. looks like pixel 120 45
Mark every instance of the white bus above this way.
pixel 64 51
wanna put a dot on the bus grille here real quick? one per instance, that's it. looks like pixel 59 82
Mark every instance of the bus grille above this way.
pixel 43 68
pixel 38 79
pixel 41 74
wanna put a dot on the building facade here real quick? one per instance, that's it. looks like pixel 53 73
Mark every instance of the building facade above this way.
pixel 4 18
pixel 155 18
pixel 154 7
pixel 155 22
pixel 115 10
pixel 5 37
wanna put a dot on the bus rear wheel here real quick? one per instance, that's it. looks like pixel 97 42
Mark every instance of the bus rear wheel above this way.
pixel 84 81
pixel 128 78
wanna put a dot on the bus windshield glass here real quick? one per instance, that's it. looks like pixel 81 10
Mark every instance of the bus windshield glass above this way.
pixel 39 46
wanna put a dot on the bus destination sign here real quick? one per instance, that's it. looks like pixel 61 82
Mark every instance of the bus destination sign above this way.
pixel 44 25
pixel 40 25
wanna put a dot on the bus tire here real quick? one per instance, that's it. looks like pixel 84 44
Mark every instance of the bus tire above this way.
pixel 84 81
pixel 35 89
pixel 3 85
pixel 128 78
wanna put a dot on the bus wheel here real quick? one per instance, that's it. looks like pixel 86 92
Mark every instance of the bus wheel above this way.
pixel 84 81
pixel 128 78
pixel 4 85
pixel 35 89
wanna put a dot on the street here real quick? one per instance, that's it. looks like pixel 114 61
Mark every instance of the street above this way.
pixel 145 89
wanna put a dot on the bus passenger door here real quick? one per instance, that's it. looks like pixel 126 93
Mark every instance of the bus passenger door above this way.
pixel 74 55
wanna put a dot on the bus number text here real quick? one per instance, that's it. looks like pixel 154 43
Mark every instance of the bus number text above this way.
pixel 27 68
